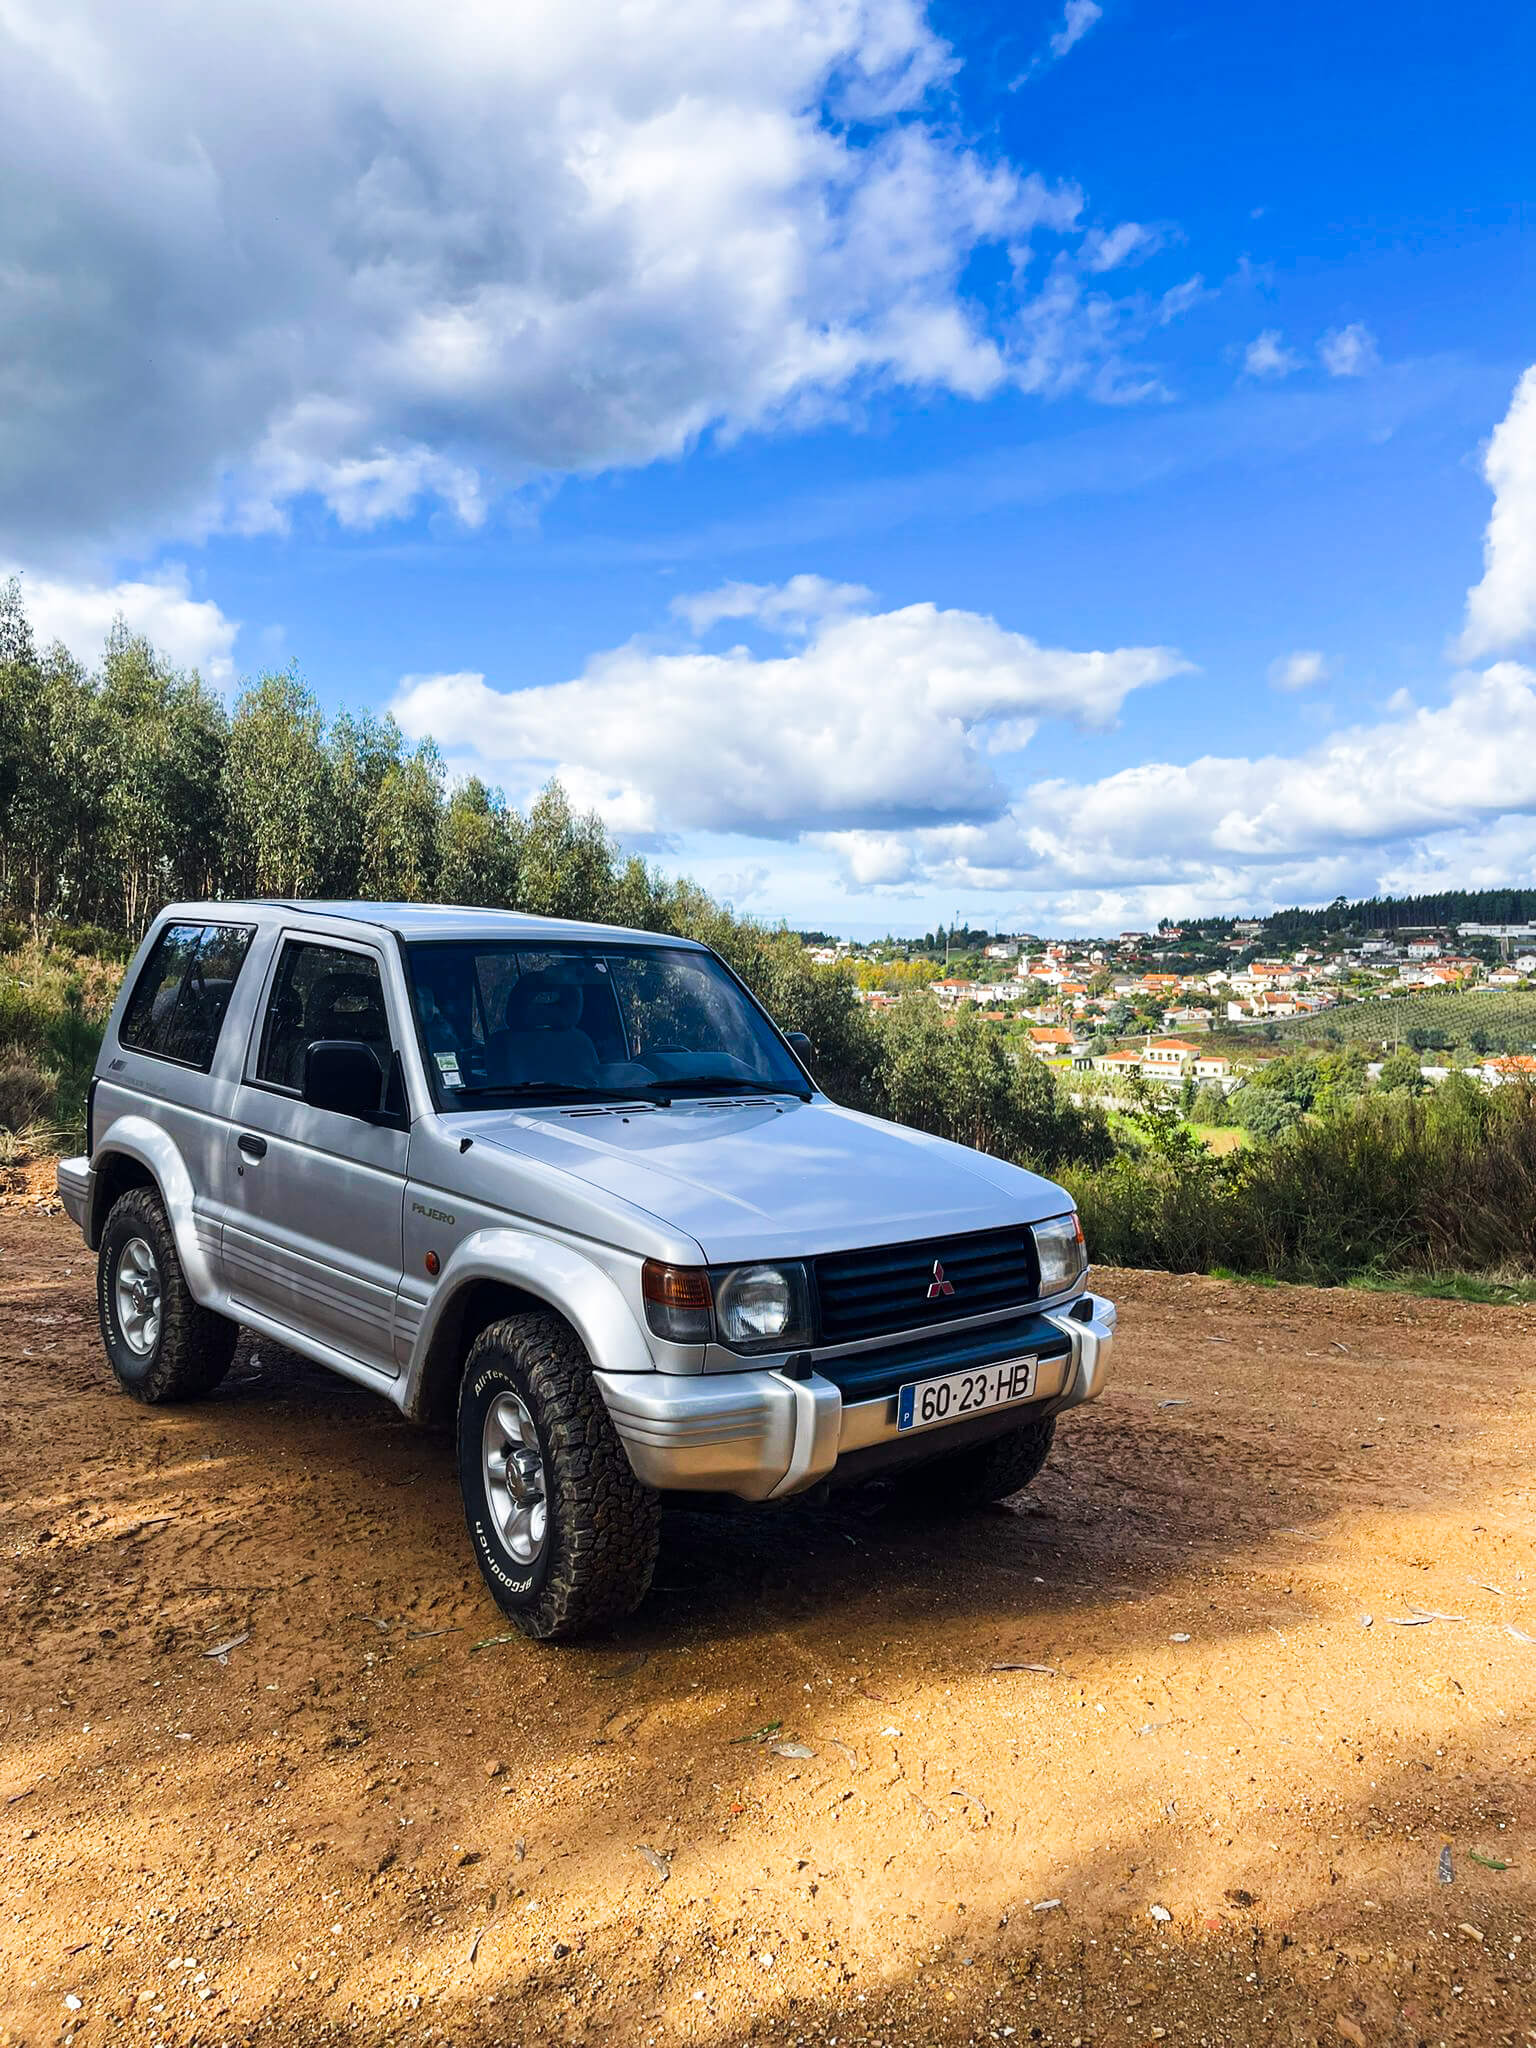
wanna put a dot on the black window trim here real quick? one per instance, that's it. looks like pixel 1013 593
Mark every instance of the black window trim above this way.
pixel 203 926
pixel 287 935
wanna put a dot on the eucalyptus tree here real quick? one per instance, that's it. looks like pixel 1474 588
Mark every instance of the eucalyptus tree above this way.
pixel 19 677
pixel 478 844
pixel 361 750
pixel 404 829
pixel 565 861
pixel 278 808
pixel 163 735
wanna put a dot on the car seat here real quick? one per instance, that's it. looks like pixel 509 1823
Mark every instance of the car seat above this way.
pixel 541 1039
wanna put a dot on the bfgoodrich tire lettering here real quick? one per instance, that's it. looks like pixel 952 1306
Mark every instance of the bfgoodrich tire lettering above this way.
pixel 178 1351
pixel 594 1559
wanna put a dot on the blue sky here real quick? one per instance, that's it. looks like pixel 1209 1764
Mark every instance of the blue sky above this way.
pixel 1028 461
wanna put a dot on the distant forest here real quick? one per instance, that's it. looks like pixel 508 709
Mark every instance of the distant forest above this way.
pixel 1388 913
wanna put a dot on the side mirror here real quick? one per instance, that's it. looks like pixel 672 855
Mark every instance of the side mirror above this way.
pixel 800 1044
pixel 344 1075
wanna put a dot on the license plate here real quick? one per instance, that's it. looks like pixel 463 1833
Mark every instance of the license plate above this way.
pixel 926 1403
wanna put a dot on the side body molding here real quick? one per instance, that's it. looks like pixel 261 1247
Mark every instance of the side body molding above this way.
pixel 137 1138
pixel 575 1287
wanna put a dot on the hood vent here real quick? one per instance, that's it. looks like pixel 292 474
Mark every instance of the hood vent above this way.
pixel 615 1109
pixel 650 1108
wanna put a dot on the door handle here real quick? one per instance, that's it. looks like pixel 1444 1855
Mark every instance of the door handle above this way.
pixel 252 1146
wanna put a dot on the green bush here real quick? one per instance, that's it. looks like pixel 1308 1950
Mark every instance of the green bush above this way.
pixel 1401 1073
pixel 1210 1106
pixel 27 1094
pixel 1393 1182
pixel 1265 1113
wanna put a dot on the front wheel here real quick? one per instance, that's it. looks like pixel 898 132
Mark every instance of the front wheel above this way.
pixel 160 1342
pixel 562 1530
pixel 980 1473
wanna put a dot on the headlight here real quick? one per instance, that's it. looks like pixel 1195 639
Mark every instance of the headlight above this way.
pixel 750 1308
pixel 762 1308
pixel 1062 1253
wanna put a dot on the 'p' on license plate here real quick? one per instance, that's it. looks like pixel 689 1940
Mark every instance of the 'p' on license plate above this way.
pixel 925 1403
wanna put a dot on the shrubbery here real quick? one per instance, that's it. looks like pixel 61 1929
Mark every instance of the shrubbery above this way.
pixel 53 1006
pixel 1385 1183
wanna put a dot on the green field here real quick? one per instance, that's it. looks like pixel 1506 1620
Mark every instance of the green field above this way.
pixel 1505 1017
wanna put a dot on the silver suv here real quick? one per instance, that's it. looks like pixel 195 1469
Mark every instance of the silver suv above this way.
pixel 570 1188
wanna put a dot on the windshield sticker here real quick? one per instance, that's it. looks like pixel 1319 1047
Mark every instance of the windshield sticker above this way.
pixel 448 1067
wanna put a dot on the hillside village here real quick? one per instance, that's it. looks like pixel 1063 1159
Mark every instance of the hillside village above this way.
pixel 1198 1006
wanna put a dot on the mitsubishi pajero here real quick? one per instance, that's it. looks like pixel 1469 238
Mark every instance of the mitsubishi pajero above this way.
pixel 569 1189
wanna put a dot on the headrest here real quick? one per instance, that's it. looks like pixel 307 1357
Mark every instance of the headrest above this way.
pixel 540 1002
pixel 345 994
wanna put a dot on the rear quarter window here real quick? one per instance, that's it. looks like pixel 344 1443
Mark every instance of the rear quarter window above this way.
pixel 178 1004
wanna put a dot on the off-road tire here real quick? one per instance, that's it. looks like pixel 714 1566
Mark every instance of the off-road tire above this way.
pixel 194 1346
pixel 599 1548
pixel 980 1473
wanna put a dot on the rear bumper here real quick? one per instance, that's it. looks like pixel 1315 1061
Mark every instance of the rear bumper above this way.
pixel 74 1184
pixel 763 1435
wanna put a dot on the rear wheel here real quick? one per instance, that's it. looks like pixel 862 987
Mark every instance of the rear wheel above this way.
pixel 562 1530
pixel 161 1343
pixel 980 1473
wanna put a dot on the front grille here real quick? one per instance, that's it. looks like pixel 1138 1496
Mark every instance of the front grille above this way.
pixel 870 1293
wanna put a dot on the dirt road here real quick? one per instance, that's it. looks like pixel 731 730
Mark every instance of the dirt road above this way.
pixel 1219 1815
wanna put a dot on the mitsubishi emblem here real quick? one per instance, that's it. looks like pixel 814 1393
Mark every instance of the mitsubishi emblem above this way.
pixel 938 1287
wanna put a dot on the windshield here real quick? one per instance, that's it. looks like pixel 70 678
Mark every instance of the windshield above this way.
pixel 589 1022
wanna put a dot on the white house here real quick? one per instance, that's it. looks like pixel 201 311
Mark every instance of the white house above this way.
pixel 1167 1059
pixel 1214 1067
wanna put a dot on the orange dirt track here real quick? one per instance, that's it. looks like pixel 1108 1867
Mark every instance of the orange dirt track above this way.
pixel 375 1820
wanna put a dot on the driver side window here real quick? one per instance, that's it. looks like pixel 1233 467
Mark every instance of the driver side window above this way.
pixel 320 992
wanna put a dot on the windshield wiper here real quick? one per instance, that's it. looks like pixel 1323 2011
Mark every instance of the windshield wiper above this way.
pixel 558 1091
pixel 725 1084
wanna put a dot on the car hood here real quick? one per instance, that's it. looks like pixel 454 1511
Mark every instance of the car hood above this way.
pixel 750 1180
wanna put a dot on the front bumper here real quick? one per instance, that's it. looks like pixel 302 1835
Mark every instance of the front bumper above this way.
pixel 74 1183
pixel 763 1434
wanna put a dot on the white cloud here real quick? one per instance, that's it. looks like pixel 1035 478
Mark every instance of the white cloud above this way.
pixel 1298 671
pixel 1349 351
pixel 190 632
pixel 389 254
pixel 1076 22
pixel 781 607
pixel 1501 609
pixel 877 719
pixel 1284 827
pixel 1078 18
pixel 738 886
pixel 1127 243
pixel 1267 356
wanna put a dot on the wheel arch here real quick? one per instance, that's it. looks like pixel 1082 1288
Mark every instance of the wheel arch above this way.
pixel 137 1153
pixel 471 1308
pixel 114 1175
pixel 497 1273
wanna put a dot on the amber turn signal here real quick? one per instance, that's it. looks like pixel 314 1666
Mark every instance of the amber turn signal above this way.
pixel 675 1286
pixel 679 1303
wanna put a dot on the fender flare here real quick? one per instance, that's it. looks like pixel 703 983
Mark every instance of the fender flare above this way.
pixel 575 1287
pixel 144 1142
